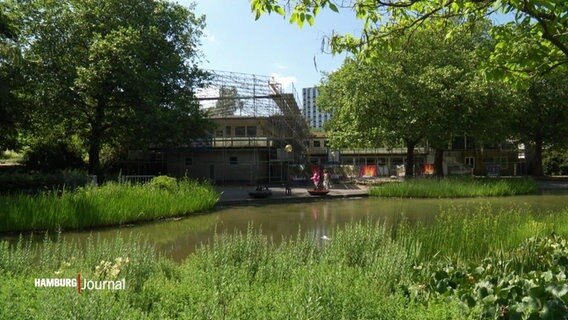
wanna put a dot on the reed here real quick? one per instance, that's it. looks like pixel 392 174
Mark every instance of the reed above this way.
pixel 96 206
pixel 463 234
pixel 362 271
pixel 456 188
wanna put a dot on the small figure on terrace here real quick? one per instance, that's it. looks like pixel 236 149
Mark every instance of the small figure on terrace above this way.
pixel 326 181
pixel 316 179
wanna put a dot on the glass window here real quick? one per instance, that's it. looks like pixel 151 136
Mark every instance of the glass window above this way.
pixel 240 132
pixel 218 133
pixel 188 162
pixel 228 131
pixel 233 160
pixel 251 131
pixel 317 144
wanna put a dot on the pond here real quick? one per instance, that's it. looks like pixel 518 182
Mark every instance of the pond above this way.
pixel 177 238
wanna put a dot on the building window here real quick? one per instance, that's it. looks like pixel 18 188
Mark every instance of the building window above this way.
pixel 188 162
pixel 470 162
pixel 233 160
pixel 218 133
pixel 251 131
pixel 228 131
pixel 317 144
pixel 240 132
pixel 503 162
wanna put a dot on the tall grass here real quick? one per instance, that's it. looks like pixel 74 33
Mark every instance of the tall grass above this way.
pixel 355 275
pixel 466 234
pixel 110 204
pixel 128 258
pixel 363 272
pixel 455 188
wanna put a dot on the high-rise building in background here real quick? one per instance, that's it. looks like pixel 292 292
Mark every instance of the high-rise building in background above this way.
pixel 315 118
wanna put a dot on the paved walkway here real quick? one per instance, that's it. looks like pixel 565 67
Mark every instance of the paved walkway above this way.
pixel 238 195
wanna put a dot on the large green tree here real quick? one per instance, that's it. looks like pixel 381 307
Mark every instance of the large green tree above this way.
pixel 113 73
pixel 534 38
pixel 10 79
pixel 541 116
pixel 426 89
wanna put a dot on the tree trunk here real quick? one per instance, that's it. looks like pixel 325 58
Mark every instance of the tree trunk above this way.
pixel 439 162
pixel 409 167
pixel 537 164
pixel 94 155
pixel 95 143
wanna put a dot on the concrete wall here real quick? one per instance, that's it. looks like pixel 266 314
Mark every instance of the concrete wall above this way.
pixel 246 166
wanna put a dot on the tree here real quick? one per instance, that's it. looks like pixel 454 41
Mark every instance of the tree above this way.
pixel 10 80
pixel 228 102
pixel 428 88
pixel 541 116
pixel 114 73
pixel 543 23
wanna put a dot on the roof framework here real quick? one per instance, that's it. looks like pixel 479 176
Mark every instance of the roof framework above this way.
pixel 233 94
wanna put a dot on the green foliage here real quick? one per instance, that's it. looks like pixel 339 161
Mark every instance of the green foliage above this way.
pixel 455 188
pixel 468 234
pixel 555 161
pixel 425 88
pixel 541 117
pixel 365 271
pixel 110 204
pixel 529 283
pixel 51 156
pixel 534 41
pixel 119 74
pixel 14 182
pixel 130 258
pixel 165 183
pixel 11 79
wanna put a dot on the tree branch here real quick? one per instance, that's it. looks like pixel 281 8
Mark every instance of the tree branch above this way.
pixel 542 21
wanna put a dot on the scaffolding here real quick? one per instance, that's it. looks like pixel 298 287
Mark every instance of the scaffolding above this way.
pixel 231 95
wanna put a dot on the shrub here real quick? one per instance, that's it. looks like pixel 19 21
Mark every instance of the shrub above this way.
pixel 53 156
pixel 164 183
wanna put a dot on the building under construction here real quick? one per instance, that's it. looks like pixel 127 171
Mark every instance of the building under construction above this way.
pixel 259 135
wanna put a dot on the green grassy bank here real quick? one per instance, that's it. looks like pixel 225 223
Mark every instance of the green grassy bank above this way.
pixel 455 188
pixel 110 204
pixel 486 266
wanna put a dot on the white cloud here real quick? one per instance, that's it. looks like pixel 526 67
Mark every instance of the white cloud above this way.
pixel 280 66
pixel 285 81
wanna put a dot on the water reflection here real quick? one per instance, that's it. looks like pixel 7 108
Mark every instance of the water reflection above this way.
pixel 179 237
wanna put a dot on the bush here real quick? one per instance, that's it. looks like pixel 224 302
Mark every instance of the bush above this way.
pixel 164 183
pixel 53 156
pixel 13 182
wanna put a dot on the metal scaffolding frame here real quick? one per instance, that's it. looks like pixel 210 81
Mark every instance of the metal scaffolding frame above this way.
pixel 232 94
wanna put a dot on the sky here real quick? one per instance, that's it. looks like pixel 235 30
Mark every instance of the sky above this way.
pixel 270 46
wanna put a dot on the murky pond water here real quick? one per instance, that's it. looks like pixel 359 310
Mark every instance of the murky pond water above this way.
pixel 178 238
